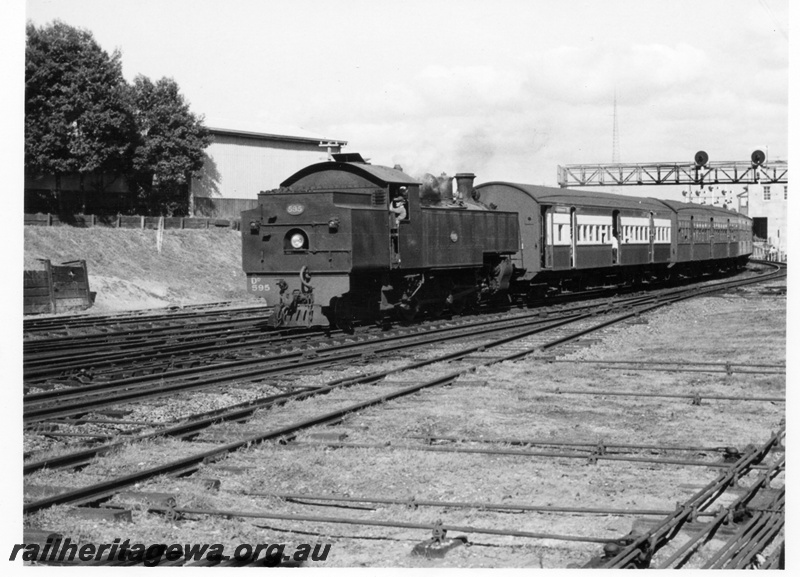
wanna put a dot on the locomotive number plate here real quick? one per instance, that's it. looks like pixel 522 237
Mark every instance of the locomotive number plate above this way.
pixel 258 286
pixel 295 209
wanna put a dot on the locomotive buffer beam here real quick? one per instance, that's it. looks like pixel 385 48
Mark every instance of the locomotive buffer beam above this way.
pixel 570 175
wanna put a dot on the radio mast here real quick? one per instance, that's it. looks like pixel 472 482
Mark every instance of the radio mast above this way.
pixel 615 143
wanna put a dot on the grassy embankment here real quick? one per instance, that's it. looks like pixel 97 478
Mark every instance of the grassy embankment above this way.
pixel 128 272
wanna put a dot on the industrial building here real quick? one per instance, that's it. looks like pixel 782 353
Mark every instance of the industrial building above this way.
pixel 768 206
pixel 241 163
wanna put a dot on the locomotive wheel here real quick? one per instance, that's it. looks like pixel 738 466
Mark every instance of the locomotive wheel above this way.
pixel 409 313
pixel 435 311
pixel 458 306
pixel 342 314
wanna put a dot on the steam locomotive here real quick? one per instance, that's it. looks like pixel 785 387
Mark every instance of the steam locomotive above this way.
pixel 330 248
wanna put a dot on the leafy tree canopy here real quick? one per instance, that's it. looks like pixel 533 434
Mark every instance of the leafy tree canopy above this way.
pixel 172 139
pixel 81 116
pixel 77 115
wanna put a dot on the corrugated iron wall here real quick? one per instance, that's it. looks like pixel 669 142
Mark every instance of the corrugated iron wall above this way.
pixel 239 167
pixel 231 208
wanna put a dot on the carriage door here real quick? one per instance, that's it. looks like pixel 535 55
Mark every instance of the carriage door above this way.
pixel 728 238
pixel 573 235
pixel 546 241
pixel 615 234
pixel 712 248
pixel 652 239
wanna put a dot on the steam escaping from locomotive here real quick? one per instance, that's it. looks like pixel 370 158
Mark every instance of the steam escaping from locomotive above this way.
pixel 436 189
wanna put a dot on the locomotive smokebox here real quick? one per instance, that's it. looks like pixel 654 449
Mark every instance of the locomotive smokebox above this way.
pixel 464 188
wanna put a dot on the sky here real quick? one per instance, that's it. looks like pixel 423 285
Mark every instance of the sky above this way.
pixel 508 89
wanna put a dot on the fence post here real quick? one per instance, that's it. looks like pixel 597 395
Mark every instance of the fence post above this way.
pixel 49 219
pixel 50 290
pixel 182 219
pixel 142 222
pixel 119 220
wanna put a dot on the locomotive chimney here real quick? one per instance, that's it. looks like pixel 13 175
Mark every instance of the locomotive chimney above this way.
pixel 464 188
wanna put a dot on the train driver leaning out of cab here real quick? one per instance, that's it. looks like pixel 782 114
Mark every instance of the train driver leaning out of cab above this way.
pixel 614 248
pixel 398 207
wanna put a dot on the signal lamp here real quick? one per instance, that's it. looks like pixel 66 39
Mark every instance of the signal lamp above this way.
pixel 297 241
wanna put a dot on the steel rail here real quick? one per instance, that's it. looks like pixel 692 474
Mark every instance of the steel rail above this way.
pixel 377 523
pixel 33 373
pixel 740 542
pixel 593 445
pixel 48 348
pixel 106 343
pixel 88 494
pixel 224 311
pixel 194 344
pixel 681 556
pixel 138 387
pixel 777 561
pixel 515 453
pixel 748 541
pixel 248 407
pixel 765 528
pixel 449 325
pixel 759 545
pixel 672 525
pixel 686 367
pixel 681 363
pixel 654 538
pixel 414 502
pixel 698 396
pixel 134 316
pixel 93 492
pixel 368 339
pixel 172 328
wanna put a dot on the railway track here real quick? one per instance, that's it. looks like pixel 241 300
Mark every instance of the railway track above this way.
pixel 76 401
pixel 508 345
pixel 115 322
pixel 78 358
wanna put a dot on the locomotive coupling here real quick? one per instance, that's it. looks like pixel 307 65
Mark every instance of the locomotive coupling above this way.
pixel 294 307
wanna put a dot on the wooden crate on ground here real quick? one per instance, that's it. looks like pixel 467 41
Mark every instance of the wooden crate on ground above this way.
pixel 56 289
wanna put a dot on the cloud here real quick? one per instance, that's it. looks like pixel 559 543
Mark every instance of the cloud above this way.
pixel 718 84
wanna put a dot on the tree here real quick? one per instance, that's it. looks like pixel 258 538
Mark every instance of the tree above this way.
pixel 169 150
pixel 77 114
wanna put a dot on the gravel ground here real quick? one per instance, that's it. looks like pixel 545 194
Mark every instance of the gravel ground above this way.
pixel 528 399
